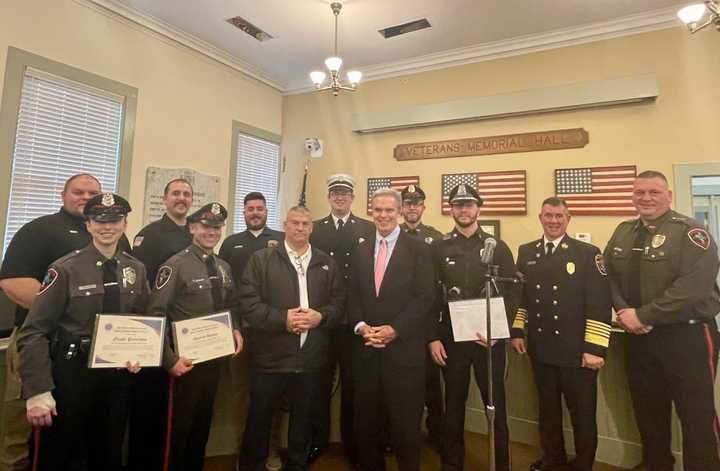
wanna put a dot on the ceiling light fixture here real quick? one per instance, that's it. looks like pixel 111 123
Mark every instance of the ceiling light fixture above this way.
pixel 692 15
pixel 333 65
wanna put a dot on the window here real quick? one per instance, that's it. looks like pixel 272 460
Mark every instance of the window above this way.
pixel 256 167
pixel 65 121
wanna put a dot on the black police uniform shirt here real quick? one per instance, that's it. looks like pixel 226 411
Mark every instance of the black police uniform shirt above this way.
pixel 565 302
pixel 427 234
pixel 237 248
pixel 72 293
pixel 461 274
pixel 340 244
pixel 158 241
pixel 40 242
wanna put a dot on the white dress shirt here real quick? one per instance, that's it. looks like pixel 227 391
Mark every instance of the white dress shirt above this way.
pixel 301 262
pixel 336 219
pixel 555 242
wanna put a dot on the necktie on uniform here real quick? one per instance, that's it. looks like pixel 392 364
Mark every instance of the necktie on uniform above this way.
pixel 111 298
pixel 634 268
pixel 215 283
pixel 549 248
pixel 340 225
pixel 380 262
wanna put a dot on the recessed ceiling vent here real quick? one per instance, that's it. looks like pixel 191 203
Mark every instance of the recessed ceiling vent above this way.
pixel 392 31
pixel 249 28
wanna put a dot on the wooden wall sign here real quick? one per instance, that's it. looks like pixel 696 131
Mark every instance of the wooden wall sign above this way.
pixel 506 144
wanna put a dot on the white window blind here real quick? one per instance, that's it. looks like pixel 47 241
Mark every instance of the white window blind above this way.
pixel 63 128
pixel 257 167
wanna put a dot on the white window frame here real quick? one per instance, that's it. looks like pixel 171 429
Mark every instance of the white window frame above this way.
pixel 17 63
pixel 235 206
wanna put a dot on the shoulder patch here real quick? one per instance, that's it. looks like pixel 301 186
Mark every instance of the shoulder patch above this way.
pixel 163 276
pixel 699 237
pixel 600 264
pixel 272 243
pixel 50 277
pixel 137 241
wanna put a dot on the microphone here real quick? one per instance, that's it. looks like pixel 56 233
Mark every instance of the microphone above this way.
pixel 488 251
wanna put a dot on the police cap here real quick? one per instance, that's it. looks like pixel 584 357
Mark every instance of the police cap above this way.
pixel 106 207
pixel 463 193
pixel 412 194
pixel 212 215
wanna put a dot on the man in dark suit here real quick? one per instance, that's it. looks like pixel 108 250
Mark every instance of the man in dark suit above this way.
pixel 337 235
pixel 391 295
pixel 566 308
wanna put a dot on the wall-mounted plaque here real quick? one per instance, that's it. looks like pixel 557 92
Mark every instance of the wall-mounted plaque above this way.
pixel 505 144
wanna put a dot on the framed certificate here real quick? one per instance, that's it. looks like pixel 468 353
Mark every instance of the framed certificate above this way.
pixel 121 338
pixel 204 338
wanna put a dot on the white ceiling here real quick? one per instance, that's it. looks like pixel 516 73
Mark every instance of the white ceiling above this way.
pixel 462 30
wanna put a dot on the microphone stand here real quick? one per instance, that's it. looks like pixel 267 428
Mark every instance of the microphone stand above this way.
pixel 491 279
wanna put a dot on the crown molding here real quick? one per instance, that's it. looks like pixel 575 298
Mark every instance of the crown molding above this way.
pixel 188 40
pixel 625 26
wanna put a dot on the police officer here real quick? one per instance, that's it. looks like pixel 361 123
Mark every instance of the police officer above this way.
pixel 413 207
pixel 31 251
pixel 337 235
pixel 462 276
pixel 662 268
pixel 236 250
pixel 565 305
pixel 194 283
pixel 82 411
pixel 153 245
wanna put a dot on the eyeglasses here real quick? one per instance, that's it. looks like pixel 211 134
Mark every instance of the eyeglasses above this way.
pixel 341 193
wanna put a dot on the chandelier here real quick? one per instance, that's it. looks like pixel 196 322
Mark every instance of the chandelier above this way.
pixel 691 15
pixel 333 65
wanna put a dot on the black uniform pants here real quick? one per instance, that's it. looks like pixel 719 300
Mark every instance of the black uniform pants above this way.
pixel 92 410
pixel 192 409
pixel 266 393
pixel 148 420
pixel 461 356
pixel 579 386
pixel 675 364
pixel 340 354
pixel 433 401
pixel 398 390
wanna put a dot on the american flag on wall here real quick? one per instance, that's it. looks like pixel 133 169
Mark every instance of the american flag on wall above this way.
pixel 503 193
pixel 396 183
pixel 599 191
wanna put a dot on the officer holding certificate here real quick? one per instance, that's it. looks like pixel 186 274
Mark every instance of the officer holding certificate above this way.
pixel 192 284
pixel 82 411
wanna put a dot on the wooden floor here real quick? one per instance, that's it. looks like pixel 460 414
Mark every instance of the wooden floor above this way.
pixel 476 450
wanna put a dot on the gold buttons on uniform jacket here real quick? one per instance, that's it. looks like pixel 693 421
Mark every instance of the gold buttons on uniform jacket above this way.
pixel 537 286
pixel 539 329
pixel 537 301
pixel 555 317
pixel 554 287
pixel 554 303
pixel 557 332
pixel 332 254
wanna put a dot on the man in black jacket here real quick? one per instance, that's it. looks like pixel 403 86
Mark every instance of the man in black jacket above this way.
pixel 291 296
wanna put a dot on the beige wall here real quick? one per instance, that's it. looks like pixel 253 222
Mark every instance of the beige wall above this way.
pixel 680 127
pixel 186 101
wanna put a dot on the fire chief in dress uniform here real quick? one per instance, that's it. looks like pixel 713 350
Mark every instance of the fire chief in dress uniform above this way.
pixel 566 308
pixel 413 207
pixel 338 234
pixel 662 268
pixel 82 411
pixel 194 283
